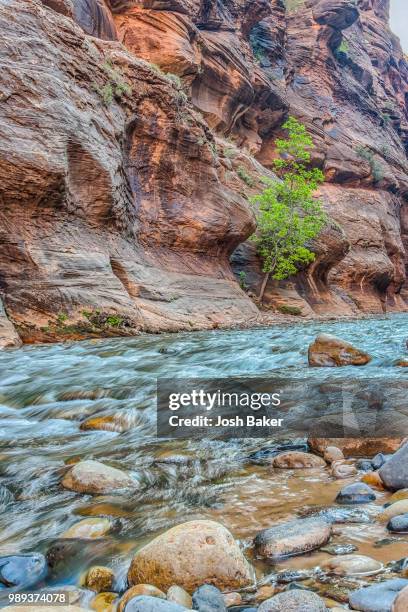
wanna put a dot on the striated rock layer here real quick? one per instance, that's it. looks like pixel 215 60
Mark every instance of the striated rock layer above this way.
pixel 132 133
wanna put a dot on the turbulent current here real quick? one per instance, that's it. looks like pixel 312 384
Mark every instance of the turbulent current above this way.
pixel 46 391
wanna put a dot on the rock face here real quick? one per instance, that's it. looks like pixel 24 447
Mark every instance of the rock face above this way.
pixel 356 447
pixel 329 351
pixel 292 538
pixel 124 188
pixel 190 555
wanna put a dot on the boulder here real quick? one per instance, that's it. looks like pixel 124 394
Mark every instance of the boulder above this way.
pixel 298 600
pixel 298 460
pixel 332 453
pixel 329 351
pixel 138 590
pixel 401 602
pixel 232 599
pixel 352 565
pixel 356 447
pixel 208 598
pixel 378 597
pixel 23 571
pixel 292 538
pixel 189 555
pixel 145 603
pixel 88 529
pixel 394 473
pixel 99 579
pixel 356 493
pixel 341 469
pixel 96 478
pixel 374 480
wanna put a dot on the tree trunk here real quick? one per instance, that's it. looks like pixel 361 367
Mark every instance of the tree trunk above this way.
pixel 263 287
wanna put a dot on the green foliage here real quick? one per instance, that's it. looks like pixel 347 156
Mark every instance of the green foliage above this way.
pixel 291 310
pixel 376 168
pixel 294 5
pixel 114 321
pixel 343 47
pixel 288 215
pixel 229 152
pixel 242 280
pixel 244 176
pixel 62 317
pixel 115 86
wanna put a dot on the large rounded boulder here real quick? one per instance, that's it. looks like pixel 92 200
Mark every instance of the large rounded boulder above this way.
pixel 189 555
pixel 394 473
pixel 329 351
pixel 292 538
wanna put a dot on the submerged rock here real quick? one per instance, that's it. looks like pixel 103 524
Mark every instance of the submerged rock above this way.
pixel 378 597
pixel 298 460
pixel 104 602
pixel 189 555
pixel 292 538
pixel 330 351
pixel 339 549
pixel 394 473
pixel 356 493
pixel 395 509
pixel 352 565
pixel 208 598
pixel 22 571
pixel 96 478
pixel 294 601
pixel 88 529
pixel 99 579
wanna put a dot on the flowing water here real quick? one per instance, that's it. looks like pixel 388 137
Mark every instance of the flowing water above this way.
pixel 47 391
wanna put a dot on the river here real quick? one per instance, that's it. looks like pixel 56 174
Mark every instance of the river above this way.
pixel 47 390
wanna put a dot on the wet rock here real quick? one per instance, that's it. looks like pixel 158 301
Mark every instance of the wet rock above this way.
pixel 190 555
pixel 356 447
pixel 401 602
pixel 294 601
pixel 265 456
pixel 398 524
pixel 341 469
pixel 352 565
pixel 374 480
pixel 104 602
pixel 298 460
pixel 22 571
pixel 329 351
pixel 64 556
pixel 145 603
pixel 88 529
pixel 378 597
pixel 292 538
pixel 342 515
pixel 208 598
pixel 46 609
pixel 339 549
pixel 179 596
pixel 379 460
pixel 356 493
pixel 114 422
pixel 171 458
pixel 264 592
pixel 99 579
pixel 232 599
pixel 140 590
pixel 398 495
pixel 394 473
pixel 333 453
pixel 289 576
pixel 395 509
pixel 365 465
pixel 96 478
pixel 242 609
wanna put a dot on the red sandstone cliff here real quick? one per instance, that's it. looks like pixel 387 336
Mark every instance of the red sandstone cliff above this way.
pixel 132 132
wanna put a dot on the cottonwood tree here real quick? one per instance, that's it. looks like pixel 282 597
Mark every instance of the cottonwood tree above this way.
pixel 288 214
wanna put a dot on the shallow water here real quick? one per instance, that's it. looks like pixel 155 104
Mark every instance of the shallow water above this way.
pixel 46 391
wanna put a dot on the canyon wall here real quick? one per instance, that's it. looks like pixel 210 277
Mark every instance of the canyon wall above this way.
pixel 133 132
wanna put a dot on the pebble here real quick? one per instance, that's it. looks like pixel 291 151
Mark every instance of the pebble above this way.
pixel 352 565
pixel 140 590
pixel 88 529
pixel 395 509
pixel 294 601
pixel 333 453
pixel 365 465
pixel 179 596
pixel 340 469
pixel 145 603
pixel 356 493
pixel 264 592
pixel 292 538
pixel 232 599
pixel 377 597
pixel 339 549
pixel 99 579
pixel 208 598
pixel 379 460
pixel 398 524
pixel 374 480
pixel 104 602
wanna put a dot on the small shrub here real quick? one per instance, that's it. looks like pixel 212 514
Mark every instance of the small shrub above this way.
pixel 62 317
pixel 294 5
pixel 244 176
pixel 174 79
pixel 344 47
pixel 242 280
pixel 377 169
pixel 229 152
pixel 114 321
pixel 115 87
pixel 290 310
